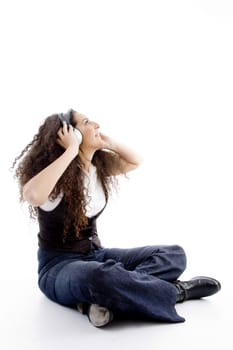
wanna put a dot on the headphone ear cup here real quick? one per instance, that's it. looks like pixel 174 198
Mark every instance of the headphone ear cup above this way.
pixel 78 135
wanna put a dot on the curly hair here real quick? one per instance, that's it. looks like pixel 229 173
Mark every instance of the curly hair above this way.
pixel 42 151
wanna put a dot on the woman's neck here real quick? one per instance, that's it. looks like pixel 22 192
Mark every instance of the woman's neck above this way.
pixel 86 158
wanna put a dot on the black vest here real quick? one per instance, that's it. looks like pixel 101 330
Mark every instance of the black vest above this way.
pixel 50 236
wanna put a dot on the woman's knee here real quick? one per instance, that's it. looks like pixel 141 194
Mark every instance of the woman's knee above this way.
pixel 180 257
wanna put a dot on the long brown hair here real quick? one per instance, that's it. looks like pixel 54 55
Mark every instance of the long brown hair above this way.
pixel 42 151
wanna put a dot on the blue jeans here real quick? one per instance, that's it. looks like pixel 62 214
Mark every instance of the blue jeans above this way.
pixel 134 282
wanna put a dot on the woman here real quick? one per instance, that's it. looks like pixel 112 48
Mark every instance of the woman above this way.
pixel 66 175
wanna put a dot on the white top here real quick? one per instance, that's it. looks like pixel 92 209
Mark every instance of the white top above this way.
pixel 94 194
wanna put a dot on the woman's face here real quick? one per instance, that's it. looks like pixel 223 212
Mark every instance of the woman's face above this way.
pixel 89 130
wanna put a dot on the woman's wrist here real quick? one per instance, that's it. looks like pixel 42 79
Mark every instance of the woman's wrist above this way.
pixel 72 151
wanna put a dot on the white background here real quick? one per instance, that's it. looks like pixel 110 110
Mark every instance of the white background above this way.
pixel 157 75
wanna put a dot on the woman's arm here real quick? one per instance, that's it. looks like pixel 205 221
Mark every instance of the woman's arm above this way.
pixel 129 159
pixel 37 190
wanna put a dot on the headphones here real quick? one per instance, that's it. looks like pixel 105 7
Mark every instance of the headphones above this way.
pixel 66 117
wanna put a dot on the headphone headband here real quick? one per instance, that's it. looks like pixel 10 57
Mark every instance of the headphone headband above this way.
pixel 65 117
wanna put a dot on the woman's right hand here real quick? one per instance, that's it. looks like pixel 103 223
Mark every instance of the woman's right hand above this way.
pixel 67 137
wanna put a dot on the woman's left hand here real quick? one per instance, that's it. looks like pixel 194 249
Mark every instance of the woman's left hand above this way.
pixel 107 142
pixel 129 160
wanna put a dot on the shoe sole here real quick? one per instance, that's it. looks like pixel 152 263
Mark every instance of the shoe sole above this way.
pixel 99 316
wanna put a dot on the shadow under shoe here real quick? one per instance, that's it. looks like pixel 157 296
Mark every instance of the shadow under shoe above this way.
pixel 196 288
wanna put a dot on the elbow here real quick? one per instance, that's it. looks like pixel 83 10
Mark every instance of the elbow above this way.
pixel 138 162
pixel 134 165
pixel 32 197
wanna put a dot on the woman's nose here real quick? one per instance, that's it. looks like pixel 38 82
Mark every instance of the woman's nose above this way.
pixel 96 125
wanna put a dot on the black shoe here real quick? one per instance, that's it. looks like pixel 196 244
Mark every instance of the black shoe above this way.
pixel 196 288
